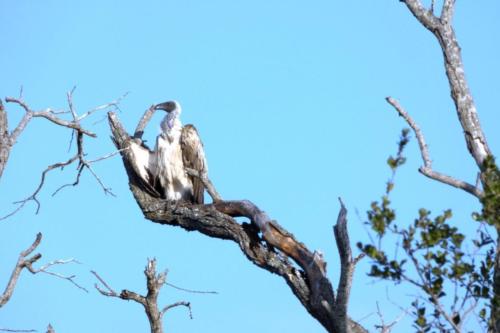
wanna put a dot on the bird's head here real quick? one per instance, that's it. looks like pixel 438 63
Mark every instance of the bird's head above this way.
pixel 173 110
pixel 170 106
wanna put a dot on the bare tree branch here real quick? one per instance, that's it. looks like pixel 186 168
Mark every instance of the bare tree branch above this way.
pixel 426 17
pixel 24 262
pixel 347 266
pixel 464 104
pixel 447 12
pixel 190 290
pixel 70 278
pixel 426 169
pixel 110 291
pixel 146 117
pixel 13 330
pixel 47 114
pixel 8 140
pixel 111 105
pixel 181 303
pixel 154 283
pixel 264 242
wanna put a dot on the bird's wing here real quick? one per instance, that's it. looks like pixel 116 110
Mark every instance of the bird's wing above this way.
pixel 193 157
pixel 143 163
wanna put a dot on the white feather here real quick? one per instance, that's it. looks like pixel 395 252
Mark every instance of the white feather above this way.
pixel 170 167
pixel 144 160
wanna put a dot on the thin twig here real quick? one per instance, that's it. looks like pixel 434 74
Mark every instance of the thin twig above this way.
pixel 387 328
pixel 70 103
pixel 181 303
pixel 114 105
pixel 146 117
pixel 43 269
pixel 110 291
pixel 190 290
pixel 105 157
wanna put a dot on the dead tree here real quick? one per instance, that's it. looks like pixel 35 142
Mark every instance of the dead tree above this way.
pixel 263 241
pixel 441 27
pixel 154 283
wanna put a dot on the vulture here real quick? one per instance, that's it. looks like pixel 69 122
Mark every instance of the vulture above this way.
pixel 177 148
pixel 162 172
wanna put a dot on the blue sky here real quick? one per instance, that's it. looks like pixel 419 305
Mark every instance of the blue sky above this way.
pixel 289 100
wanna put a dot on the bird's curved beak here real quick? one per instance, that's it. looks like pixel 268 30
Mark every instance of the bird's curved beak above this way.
pixel 165 106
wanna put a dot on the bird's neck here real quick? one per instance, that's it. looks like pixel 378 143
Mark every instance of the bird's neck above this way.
pixel 171 133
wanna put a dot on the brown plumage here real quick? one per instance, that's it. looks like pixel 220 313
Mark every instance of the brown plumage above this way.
pixel 193 157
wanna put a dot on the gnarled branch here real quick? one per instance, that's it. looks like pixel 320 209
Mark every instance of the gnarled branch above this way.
pixel 264 242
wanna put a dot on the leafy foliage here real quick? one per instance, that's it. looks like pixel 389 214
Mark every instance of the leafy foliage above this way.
pixel 450 281
pixel 491 198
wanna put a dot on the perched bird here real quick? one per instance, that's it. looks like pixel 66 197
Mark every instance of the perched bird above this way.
pixel 178 147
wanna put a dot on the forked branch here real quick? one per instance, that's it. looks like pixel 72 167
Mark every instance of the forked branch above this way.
pixel 24 261
pixel 426 169
pixel 154 283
